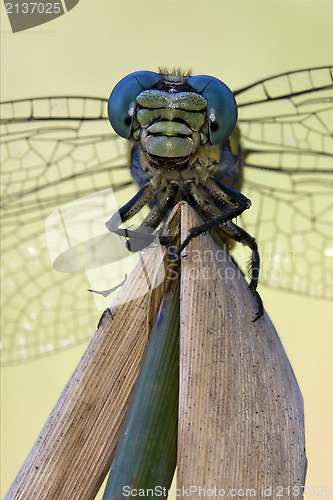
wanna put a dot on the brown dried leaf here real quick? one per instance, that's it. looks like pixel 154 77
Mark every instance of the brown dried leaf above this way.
pixel 74 451
pixel 241 422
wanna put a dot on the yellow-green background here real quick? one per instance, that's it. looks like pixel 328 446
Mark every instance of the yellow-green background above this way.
pixel 85 52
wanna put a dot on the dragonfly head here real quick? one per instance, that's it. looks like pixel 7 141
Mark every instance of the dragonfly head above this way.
pixel 172 116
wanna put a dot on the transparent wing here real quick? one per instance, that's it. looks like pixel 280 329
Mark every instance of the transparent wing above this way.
pixel 286 127
pixel 54 150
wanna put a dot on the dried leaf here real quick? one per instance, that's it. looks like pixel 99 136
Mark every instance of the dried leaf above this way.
pixel 73 453
pixel 241 422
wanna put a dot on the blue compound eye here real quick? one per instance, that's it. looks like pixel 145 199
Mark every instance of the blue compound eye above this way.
pixel 122 101
pixel 221 106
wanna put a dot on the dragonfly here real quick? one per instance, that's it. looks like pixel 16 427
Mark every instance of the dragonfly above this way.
pixel 56 150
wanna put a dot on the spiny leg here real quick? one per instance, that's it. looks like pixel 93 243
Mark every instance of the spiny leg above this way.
pixel 230 230
pixel 220 192
pixel 238 234
pixel 154 218
pixel 142 197
pixel 207 226
pixel 143 236
pixel 224 199
pixel 202 203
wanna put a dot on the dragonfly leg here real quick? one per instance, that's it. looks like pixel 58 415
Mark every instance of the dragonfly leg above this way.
pixel 131 208
pixel 238 234
pixel 143 236
pixel 154 218
pixel 142 197
pixel 227 197
pixel 260 311
pixel 207 226
pixel 223 199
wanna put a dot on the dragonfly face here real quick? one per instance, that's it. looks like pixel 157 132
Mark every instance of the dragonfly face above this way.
pixel 56 150
pixel 178 122
pixel 172 116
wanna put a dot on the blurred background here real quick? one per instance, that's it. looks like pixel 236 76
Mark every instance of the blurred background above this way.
pixel 86 52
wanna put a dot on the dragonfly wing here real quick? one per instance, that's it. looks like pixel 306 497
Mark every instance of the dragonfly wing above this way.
pixel 54 150
pixel 286 127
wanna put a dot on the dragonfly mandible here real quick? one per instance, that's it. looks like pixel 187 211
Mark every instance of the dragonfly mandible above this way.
pixel 58 149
